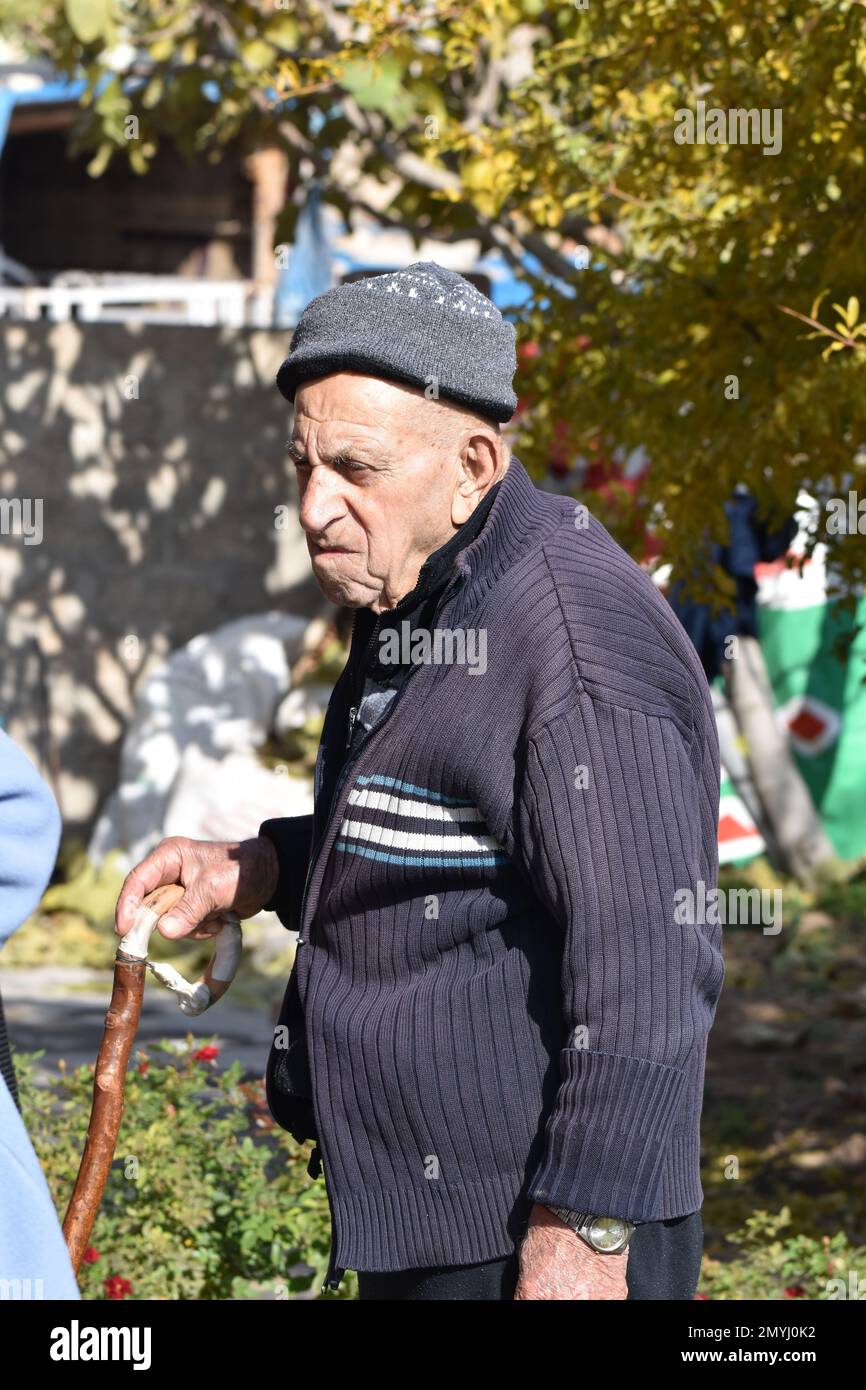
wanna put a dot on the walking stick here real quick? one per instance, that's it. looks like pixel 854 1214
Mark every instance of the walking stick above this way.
pixel 121 1024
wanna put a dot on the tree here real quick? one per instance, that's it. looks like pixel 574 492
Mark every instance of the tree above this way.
pixel 543 129
pixel 706 158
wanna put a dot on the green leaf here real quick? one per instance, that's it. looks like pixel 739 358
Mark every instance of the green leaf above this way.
pixel 258 55
pixel 378 86
pixel 89 20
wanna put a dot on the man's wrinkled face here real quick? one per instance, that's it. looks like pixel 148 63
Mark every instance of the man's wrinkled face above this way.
pixel 379 481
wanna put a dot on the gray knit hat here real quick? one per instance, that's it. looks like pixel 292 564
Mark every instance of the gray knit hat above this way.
pixel 425 325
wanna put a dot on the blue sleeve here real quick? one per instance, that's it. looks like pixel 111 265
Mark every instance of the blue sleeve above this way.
pixel 29 836
pixel 34 1262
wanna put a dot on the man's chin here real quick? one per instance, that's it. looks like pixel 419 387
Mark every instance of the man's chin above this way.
pixel 340 589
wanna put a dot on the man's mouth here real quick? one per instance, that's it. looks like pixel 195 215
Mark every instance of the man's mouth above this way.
pixel 330 550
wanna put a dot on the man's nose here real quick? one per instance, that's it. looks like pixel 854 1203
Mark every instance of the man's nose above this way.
pixel 321 502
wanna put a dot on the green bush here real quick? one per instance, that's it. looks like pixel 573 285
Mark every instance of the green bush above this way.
pixel 797 1266
pixel 206 1198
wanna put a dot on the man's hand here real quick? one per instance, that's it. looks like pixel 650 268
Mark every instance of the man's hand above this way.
pixel 218 877
pixel 557 1264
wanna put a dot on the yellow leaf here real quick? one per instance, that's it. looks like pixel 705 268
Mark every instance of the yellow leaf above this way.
pixel 162 50
pixel 257 55
pixel 100 160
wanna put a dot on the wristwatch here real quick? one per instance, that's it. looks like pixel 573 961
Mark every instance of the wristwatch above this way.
pixel 609 1235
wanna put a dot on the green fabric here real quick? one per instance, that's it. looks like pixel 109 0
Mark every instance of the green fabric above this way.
pixel 798 646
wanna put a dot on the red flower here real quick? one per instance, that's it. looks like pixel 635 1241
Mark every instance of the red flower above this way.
pixel 117 1287
pixel 142 1068
pixel 702 1295
pixel 795 1291
pixel 90 1256
pixel 206 1054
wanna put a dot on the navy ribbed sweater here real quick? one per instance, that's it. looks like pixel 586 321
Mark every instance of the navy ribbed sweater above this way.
pixel 493 1002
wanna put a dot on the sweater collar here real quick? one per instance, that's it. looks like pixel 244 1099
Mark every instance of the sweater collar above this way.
pixel 520 518
pixel 437 567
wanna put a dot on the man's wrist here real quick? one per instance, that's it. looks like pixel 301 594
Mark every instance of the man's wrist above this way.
pixel 264 873
pixel 290 837
pixel 271 868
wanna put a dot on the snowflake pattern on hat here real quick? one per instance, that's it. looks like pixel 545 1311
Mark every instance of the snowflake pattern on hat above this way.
pixel 417 283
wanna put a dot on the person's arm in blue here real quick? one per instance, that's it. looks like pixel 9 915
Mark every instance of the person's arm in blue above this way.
pixel 34 1262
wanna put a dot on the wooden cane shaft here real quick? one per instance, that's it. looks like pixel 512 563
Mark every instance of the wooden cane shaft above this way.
pixel 121 1023
pixel 109 1079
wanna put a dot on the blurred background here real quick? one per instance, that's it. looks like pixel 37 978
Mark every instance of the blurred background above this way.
pixel 668 202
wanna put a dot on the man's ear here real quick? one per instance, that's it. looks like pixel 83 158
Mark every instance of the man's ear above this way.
pixel 479 465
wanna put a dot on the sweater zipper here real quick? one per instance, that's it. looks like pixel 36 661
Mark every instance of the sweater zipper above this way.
pixel 353 715
pixel 334 1273
pixel 316 855
pixel 316 787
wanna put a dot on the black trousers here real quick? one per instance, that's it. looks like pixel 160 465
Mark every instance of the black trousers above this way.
pixel 664 1262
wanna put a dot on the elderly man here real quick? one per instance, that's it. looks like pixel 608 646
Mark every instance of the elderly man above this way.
pixel 495 1028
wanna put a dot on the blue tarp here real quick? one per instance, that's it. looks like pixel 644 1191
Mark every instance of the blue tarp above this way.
pixel 308 272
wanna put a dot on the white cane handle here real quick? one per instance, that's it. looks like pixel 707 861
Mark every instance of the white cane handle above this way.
pixel 221 969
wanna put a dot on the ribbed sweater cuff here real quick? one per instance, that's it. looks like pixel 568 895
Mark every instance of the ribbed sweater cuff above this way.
pixel 291 837
pixel 607 1135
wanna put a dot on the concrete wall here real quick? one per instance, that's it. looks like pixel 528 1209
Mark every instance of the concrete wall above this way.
pixel 158 457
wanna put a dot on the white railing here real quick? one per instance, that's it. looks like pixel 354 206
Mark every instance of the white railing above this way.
pixel 168 300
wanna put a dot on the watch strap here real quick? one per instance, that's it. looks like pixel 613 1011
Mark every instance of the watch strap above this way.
pixel 579 1221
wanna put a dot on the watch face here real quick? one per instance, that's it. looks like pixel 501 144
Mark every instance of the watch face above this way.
pixel 607 1232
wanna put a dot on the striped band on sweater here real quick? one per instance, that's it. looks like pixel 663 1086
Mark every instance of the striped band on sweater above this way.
pixel 403 823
